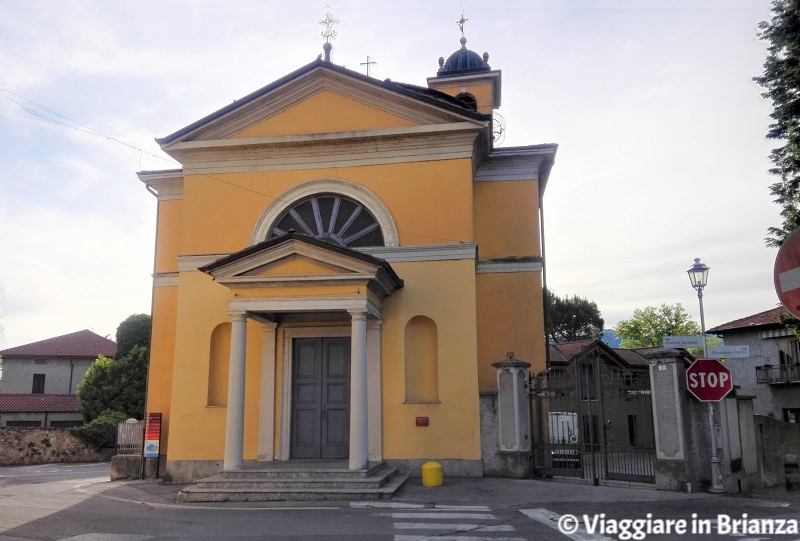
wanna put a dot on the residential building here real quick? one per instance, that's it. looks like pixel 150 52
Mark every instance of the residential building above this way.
pixel 771 373
pixel 40 379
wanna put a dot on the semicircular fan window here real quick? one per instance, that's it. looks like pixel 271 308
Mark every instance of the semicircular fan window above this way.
pixel 332 219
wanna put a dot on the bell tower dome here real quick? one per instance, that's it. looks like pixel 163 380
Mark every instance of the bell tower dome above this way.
pixel 466 75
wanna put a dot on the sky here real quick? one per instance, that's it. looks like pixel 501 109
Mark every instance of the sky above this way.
pixel 662 153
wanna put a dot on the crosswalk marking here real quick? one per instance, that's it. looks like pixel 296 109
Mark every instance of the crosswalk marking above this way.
pixel 462 507
pixel 440 516
pixel 454 538
pixel 448 519
pixel 449 526
pixel 391 505
pixel 550 519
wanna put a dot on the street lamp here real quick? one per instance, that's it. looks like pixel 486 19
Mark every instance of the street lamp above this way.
pixel 698 275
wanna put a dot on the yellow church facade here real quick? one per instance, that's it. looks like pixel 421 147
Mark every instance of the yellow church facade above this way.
pixel 339 262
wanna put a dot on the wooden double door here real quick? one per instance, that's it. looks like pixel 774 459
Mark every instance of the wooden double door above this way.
pixel 320 398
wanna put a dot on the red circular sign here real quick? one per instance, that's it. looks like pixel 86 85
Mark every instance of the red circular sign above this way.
pixel 787 273
pixel 708 380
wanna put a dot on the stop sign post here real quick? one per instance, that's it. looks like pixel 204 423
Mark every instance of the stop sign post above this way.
pixel 709 380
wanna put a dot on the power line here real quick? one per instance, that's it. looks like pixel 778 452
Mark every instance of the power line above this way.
pixel 91 131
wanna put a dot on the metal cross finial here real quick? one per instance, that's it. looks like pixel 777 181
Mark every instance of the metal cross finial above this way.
pixel 368 63
pixel 328 22
pixel 460 24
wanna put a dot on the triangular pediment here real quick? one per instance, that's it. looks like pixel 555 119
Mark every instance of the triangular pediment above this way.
pixel 296 265
pixel 295 260
pixel 324 98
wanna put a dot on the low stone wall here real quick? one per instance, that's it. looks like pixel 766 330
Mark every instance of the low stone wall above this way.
pixel 20 446
pixel 775 440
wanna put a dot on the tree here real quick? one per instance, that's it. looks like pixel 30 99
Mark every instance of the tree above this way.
pixel 133 331
pixel 781 80
pixel 571 318
pixel 116 385
pixel 119 384
pixel 647 327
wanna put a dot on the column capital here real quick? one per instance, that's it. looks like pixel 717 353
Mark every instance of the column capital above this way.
pixel 358 314
pixel 237 316
pixel 374 324
pixel 268 326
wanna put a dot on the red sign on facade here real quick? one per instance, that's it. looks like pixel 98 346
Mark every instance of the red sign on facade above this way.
pixel 709 380
pixel 152 435
pixel 787 273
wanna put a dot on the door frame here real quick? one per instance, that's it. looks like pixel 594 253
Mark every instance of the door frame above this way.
pixel 287 353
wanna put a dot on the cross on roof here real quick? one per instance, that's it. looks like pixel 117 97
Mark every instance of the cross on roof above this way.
pixel 461 23
pixel 368 63
pixel 328 22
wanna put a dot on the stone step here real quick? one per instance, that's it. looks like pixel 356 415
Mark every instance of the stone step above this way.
pixel 303 471
pixel 308 480
pixel 298 493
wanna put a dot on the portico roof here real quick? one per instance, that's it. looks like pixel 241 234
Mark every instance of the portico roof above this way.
pixel 266 264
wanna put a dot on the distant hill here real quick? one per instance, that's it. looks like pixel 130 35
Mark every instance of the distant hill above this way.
pixel 611 339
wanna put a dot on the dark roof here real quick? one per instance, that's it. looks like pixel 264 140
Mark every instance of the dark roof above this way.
pixel 463 61
pixel 264 245
pixel 631 356
pixel 566 352
pixel 432 97
pixel 36 403
pixel 762 319
pixel 83 343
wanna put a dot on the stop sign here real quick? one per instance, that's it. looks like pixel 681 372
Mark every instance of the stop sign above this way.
pixel 709 380
pixel 787 273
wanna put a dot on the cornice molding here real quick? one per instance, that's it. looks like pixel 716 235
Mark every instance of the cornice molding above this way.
pixel 168 185
pixel 437 252
pixel 491 266
pixel 305 304
pixel 516 164
pixel 165 279
pixel 188 263
pixel 351 149
pixel 390 254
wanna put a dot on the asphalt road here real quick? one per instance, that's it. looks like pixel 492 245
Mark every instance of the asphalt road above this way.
pixel 78 502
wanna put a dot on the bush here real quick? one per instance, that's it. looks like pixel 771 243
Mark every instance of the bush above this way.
pixel 102 431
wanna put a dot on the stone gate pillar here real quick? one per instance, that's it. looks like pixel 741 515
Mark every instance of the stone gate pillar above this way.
pixel 513 417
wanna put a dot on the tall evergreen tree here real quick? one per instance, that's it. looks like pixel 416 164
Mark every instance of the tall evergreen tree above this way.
pixel 571 318
pixel 781 81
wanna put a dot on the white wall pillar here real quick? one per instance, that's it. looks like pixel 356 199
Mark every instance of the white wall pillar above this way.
pixel 266 409
pixel 359 428
pixel 374 392
pixel 513 405
pixel 234 426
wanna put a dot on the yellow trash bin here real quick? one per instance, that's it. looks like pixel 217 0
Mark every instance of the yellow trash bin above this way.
pixel 431 474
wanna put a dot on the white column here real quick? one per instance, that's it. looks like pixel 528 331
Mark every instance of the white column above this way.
pixel 359 429
pixel 374 397
pixel 234 427
pixel 266 409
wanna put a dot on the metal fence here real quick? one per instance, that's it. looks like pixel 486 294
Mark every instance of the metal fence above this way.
pixel 130 437
pixel 594 421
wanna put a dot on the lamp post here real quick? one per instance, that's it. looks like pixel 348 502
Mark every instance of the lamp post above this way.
pixel 698 275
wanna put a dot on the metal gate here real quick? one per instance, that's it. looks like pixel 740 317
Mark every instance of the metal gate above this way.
pixel 593 420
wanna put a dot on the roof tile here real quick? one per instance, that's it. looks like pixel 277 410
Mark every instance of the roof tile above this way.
pixel 770 317
pixel 37 403
pixel 83 343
